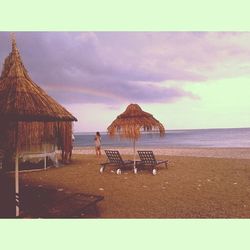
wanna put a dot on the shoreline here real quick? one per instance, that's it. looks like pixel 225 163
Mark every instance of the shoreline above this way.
pixel 233 153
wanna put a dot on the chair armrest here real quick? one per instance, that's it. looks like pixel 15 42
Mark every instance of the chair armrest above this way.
pixel 128 161
pixel 105 163
pixel 161 162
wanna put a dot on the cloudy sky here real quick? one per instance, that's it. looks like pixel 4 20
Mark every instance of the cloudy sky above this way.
pixel 185 79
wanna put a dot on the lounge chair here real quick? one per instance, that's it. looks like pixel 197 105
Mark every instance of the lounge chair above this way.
pixel 115 159
pixel 147 160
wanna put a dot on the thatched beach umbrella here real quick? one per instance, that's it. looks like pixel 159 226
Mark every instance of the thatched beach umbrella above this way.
pixel 131 122
pixel 22 100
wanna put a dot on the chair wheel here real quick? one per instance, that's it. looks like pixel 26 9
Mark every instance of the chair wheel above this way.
pixel 154 172
pixel 101 170
pixel 118 171
pixel 135 170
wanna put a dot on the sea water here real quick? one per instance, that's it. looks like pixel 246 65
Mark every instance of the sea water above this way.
pixel 228 137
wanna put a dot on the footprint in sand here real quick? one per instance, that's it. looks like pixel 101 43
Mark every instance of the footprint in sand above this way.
pixel 101 189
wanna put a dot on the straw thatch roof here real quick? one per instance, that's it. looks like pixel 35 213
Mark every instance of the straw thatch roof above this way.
pixel 132 121
pixel 23 100
pixel 29 117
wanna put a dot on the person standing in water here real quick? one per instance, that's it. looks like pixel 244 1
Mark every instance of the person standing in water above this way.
pixel 98 144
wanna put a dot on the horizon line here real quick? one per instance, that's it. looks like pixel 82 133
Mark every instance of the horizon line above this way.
pixel 174 129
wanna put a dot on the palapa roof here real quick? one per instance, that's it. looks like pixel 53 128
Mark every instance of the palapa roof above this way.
pixel 21 99
pixel 132 121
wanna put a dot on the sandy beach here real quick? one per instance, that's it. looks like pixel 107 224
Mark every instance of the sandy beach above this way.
pixel 205 183
pixel 236 153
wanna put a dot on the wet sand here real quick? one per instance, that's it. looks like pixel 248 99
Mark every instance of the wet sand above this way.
pixel 192 187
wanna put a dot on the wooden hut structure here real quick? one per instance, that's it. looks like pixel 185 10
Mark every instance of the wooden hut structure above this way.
pixel 30 120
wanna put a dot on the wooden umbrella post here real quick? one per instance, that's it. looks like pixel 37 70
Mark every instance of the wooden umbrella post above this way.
pixel 17 174
pixel 135 169
pixel 134 154
pixel 45 157
pixel 17 184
